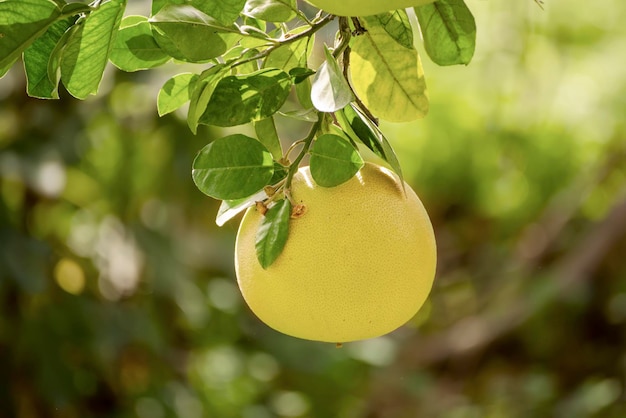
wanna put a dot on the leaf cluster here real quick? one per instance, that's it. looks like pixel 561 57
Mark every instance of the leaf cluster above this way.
pixel 252 55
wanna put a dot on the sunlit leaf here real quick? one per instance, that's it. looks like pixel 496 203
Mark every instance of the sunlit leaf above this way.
pixel 240 99
pixel 87 52
pixel 361 129
pixel 334 160
pixel 271 10
pixel 135 48
pixel 202 93
pixel 175 92
pixel 232 167
pixel 330 90
pixel 21 22
pixel 273 232
pixel 291 55
pixel 266 133
pixel 387 76
pixel 230 208
pixel 186 33
pixel 449 31
pixel 397 26
pixel 224 11
pixel 37 57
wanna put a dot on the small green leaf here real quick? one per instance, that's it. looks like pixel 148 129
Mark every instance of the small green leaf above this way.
pixel 330 90
pixel 272 234
pixel 300 74
pixel 334 160
pixel 240 99
pixel 202 93
pixel 291 55
pixel 387 76
pixel 224 11
pixel 232 167
pixel 135 48
pixel 303 93
pixel 396 24
pixel 21 22
pixel 266 133
pixel 230 208
pixel 187 34
pixel 271 10
pixel 361 129
pixel 306 115
pixel 70 9
pixel 37 57
pixel 449 31
pixel 87 52
pixel 175 92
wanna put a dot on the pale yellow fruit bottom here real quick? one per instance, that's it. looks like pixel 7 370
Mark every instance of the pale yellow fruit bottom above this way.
pixel 357 265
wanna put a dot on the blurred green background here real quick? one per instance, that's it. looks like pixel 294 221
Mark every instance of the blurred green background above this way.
pixel 117 291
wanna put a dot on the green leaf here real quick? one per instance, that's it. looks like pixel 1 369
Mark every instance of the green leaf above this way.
pixel 224 11
pixel 87 52
pixel 38 56
pixel 387 76
pixel 240 99
pixel 334 160
pixel 54 62
pixel 230 208
pixel 291 55
pixel 70 9
pixel 187 34
pixel 266 133
pixel 175 92
pixel 396 24
pixel 7 67
pixel 135 48
pixel 330 90
pixel 232 167
pixel 21 22
pixel 306 115
pixel 449 31
pixel 202 93
pixel 361 129
pixel 272 234
pixel 271 10
pixel 300 74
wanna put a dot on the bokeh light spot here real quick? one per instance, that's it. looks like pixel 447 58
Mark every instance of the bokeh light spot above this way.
pixel 69 276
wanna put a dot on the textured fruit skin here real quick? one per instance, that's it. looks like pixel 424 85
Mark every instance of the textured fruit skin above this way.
pixel 358 264
pixel 364 7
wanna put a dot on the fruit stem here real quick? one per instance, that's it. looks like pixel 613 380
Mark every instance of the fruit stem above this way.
pixel 293 168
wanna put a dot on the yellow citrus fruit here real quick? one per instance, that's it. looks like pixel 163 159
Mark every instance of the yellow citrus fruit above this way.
pixel 364 7
pixel 358 263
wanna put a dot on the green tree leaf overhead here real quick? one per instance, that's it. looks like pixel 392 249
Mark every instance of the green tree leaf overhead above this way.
pixel 87 51
pixel 176 92
pixel 21 22
pixel 241 99
pixel 41 69
pixel 386 75
pixel 449 31
pixel 135 47
pixel 232 167
pixel 271 10
pixel 187 34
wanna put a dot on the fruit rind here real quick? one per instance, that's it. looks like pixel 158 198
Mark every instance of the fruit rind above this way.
pixel 357 265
